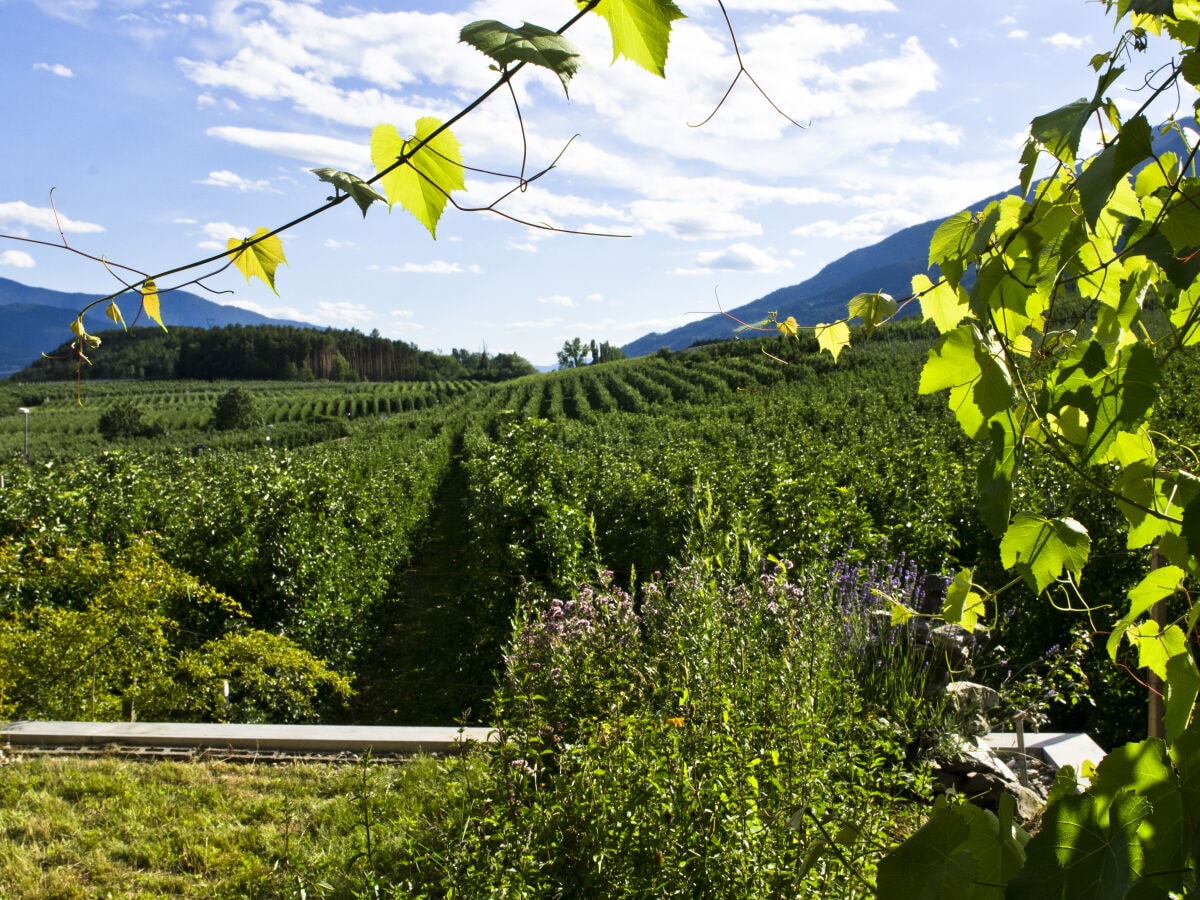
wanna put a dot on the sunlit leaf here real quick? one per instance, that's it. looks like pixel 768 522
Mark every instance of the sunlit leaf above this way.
pixel 942 304
pixel 833 337
pixel 1085 848
pixel 529 44
pixel 150 302
pixel 1041 549
pixel 962 606
pixel 788 327
pixel 357 189
pixel 640 29
pixel 872 309
pixel 114 312
pixel 432 169
pixel 900 614
pixel 259 259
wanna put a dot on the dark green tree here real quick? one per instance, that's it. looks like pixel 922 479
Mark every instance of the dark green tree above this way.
pixel 124 420
pixel 235 409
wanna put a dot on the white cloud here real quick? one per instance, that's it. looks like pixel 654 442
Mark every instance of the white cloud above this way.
pixel 335 244
pixel 218 234
pixel 1018 34
pixel 346 312
pixel 43 217
pixel 18 259
pixel 557 300
pixel 311 148
pixel 226 179
pixel 436 267
pixel 865 229
pixel 693 219
pixel 537 323
pixel 1063 41
pixel 740 257
pixel 54 69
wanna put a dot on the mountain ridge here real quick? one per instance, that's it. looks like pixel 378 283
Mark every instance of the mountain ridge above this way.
pixel 37 320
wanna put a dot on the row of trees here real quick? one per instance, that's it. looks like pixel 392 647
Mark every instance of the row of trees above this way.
pixel 275 352
pixel 575 353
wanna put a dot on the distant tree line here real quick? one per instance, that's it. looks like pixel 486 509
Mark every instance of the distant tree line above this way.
pixel 273 352
pixel 575 353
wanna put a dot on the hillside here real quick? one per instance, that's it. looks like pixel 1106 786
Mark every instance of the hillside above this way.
pixel 887 266
pixel 36 320
pixel 270 353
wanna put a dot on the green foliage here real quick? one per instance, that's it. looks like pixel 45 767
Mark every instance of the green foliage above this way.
pixel 272 352
pixel 125 420
pixel 529 43
pixel 93 635
pixel 235 409
pixel 1060 308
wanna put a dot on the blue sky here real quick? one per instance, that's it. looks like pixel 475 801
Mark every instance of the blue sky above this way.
pixel 166 127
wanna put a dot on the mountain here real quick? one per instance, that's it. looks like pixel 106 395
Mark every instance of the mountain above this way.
pixel 887 266
pixel 37 320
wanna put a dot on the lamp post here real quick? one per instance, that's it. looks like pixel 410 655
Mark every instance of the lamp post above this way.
pixel 24 410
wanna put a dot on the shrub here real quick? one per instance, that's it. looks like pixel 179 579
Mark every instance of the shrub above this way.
pixel 124 420
pixel 235 409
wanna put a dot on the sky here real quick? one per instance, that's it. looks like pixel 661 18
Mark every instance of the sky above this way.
pixel 152 131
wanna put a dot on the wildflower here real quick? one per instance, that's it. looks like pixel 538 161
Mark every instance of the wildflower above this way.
pixel 675 721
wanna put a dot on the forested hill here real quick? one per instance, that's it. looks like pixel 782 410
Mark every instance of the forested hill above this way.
pixel 271 352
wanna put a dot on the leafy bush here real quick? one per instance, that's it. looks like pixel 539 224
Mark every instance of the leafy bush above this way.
pixel 235 409
pixel 125 420
pixel 93 634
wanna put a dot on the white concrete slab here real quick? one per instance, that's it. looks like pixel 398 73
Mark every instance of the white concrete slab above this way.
pixel 1058 748
pixel 294 738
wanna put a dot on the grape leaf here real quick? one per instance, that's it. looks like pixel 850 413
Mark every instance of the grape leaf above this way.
pixel 936 862
pixel 1183 687
pixel 358 190
pixel 942 304
pixel 640 29
pixel 1040 548
pixel 258 260
pixel 872 309
pixel 832 337
pixel 1113 163
pixel 950 243
pixel 530 43
pixel 432 169
pixel 1157 585
pixel 150 302
pixel 114 312
pixel 962 606
pixel 996 473
pixel 1086 847
pixel 788 327
pixel 1060 130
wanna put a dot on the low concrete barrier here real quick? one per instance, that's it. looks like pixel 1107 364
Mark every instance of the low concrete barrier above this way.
pixel 376 739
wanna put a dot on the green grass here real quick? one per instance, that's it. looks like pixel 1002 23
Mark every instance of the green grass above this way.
pixel 113 827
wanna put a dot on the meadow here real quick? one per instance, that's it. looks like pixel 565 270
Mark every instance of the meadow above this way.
pixel 661 580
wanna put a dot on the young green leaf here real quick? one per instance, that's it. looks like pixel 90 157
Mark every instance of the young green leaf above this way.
pixel 641 30
pixel 962 606
pixel 942 304
pixel 833 337
pixel 1041 549
pixel 1085 848
pixel 530 44
pixel 257 260
pixel 872 309
pixel 114 312
pixel 149 293
pixel 357 189
pixel 432 169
